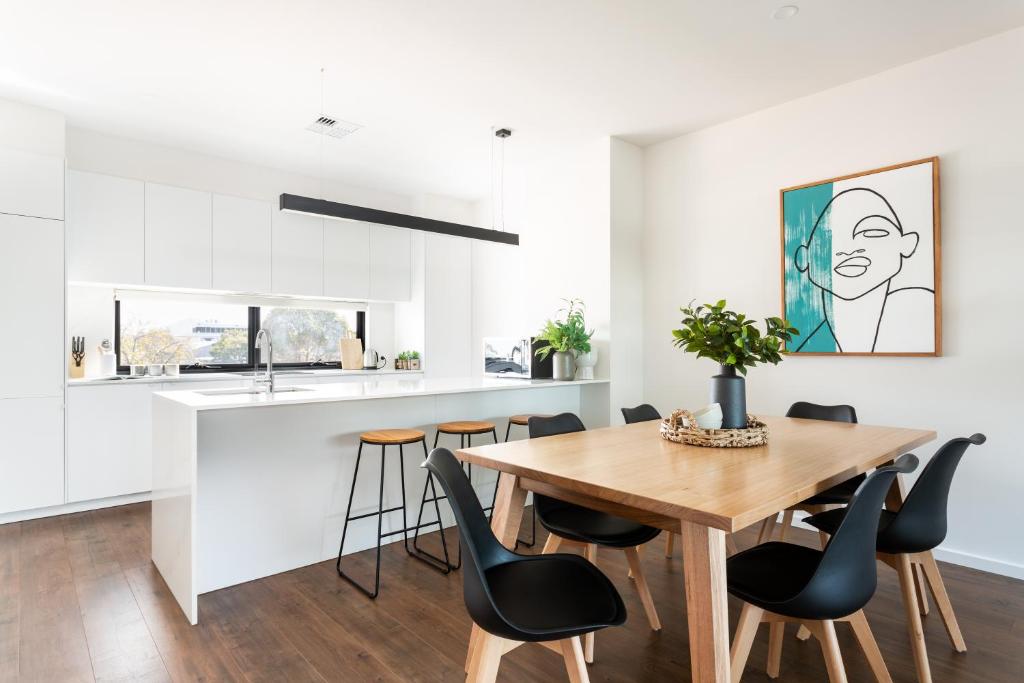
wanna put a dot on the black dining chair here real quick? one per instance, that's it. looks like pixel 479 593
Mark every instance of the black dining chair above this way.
pixel 548 599
pixel 782 583
pixel 906 538
pixel 839 494
pixel 575 524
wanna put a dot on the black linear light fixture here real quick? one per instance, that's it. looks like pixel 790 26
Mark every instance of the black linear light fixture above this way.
pixel 327 209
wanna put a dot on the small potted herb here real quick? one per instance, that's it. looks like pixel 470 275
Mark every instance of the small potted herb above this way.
pixel 402 361
pixel 414 360
pixel 733 341
pixel 565 337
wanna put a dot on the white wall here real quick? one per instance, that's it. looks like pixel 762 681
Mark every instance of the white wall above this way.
pixel 31 129
pixel 626 364
pixel 712 232
pixel 557 199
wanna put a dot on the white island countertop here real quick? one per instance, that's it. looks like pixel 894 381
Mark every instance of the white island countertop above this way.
pixel 221 399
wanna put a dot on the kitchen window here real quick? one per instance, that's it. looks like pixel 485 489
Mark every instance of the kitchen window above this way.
pixel 218 333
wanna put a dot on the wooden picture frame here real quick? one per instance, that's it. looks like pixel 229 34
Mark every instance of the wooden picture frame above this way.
pixel 866 223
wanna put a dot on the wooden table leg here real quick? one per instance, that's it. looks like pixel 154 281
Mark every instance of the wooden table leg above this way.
pixel 505 520
pixel 707 608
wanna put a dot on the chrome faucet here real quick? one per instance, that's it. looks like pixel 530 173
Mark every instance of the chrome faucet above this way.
pixel 263 343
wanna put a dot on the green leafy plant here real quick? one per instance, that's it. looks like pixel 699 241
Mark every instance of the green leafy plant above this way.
pixel 730 338
pixel 567 334
pixel 414 355
pixel 404 355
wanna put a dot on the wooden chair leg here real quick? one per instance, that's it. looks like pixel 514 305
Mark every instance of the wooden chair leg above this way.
pixel 486 659
pixel 775 635
pixel 474 641
pixel 746 629
pixel 833 657
pixel 633 558
pixel 640 552
pixel 919 589
pixel 551 545
pixel 670 539
pixel 572 651
pixel 787 522
pixel 861 629
pixel 767 527
pixel 914 628
pixel 931 572
pixel 588 639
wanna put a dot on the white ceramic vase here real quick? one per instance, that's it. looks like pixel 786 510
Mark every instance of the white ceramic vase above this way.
pixel 585 363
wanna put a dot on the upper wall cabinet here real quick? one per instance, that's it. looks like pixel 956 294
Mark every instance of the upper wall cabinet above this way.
pixel 31 308
pixel 390 263
pixel 298 254
pixel 106 228
pixel 346 259
pixel 31 184
pixel 178 237
pixel 241 244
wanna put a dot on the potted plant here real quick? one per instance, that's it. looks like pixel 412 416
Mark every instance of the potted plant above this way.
pixel 402 361
pixel 565 337
pixel 414 360
pixel 734 342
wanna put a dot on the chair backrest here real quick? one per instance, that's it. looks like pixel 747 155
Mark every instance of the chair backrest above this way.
pixel 482 549
pixel 563 423
pixel 920 524
pixel 644 412
pixel 845 578
pixel 813 411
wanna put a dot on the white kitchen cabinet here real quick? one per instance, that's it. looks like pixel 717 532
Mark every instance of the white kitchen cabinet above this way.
pixel 346 259
pixel 31 184
pixel 298 254
pixel 32 456
pixel 179 235
pixel 241 244
pixel 447 291
pixel 110 436
pixel 31 307
pixel 106 229
pixel 390 263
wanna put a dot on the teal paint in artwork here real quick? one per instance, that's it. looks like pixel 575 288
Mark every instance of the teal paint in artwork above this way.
pixel 806 308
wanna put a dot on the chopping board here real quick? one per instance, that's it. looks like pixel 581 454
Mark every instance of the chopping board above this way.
pixel 351 354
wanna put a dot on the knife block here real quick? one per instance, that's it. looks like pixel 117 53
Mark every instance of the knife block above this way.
pixel 351 354
pixel 76 371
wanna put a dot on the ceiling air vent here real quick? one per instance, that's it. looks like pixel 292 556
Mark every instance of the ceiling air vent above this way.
pixel 336 128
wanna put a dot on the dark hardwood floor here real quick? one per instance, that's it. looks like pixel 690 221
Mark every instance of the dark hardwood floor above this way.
pixel 80 601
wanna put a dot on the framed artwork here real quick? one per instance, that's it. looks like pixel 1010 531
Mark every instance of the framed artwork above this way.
pixel 861 263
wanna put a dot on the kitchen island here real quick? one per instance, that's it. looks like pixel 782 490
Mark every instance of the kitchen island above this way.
pixel 248 484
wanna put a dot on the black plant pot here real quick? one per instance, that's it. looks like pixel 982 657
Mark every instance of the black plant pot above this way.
pixel 730 391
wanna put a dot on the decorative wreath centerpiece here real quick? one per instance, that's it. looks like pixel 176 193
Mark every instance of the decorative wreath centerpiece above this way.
pixel 681 427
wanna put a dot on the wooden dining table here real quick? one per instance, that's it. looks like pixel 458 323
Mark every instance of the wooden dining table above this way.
pixel 703 494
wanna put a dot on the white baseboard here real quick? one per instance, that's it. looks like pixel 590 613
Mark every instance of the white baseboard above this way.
pixel 985 564
pixel 70 508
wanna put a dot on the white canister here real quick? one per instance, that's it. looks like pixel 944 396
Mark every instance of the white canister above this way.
pixel 108 360
pixel 709 417
pixel 154 369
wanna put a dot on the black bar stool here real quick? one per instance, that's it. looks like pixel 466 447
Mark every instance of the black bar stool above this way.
pixel 385 438
pixel 465 429
pixel 522 421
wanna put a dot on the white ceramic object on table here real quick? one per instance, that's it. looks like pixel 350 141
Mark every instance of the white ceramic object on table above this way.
pixel 585 363
pixel 171 369
pixel 709 417
pixel 155 369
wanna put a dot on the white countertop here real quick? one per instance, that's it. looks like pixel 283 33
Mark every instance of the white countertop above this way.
pixel 223 376
pixel 220 399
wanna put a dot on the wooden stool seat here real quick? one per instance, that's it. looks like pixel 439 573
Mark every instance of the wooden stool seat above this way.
pixel 391 437
pixel 465 427
pixel 523 420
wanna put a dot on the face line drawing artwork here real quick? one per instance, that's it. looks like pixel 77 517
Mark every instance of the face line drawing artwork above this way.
pixel 855 247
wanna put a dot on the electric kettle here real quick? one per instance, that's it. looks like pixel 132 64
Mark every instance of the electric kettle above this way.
pixel 373 360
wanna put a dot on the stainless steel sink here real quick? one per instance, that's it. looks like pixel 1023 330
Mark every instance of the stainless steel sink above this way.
pixel 277 373
pixel 249 391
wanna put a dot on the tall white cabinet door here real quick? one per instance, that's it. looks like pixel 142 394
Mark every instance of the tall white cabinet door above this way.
pixel 298 254
pixel 31 184
pixel 346 259
pixel 106 229
pixel 110 441
pixel 32 456
pixel 447 287
pixel 241 244
pixel 178 237
pixel 31 307
pixel 390 263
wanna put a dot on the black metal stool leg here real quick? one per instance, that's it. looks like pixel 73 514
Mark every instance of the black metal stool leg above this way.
pixel 508 430
pixel 380 519
pixel 442 565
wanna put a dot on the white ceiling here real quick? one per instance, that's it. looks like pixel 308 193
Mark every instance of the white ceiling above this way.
pixel 428 79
